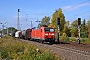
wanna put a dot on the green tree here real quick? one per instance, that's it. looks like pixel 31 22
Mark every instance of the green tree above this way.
pixel 83 29
pixel 66 29
pixel 88 23
pixel 45 21
pixel 88 26
pixel 10 29
pixel 74 29
pixel 60 15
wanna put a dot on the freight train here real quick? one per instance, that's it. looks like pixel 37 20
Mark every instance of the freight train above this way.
pixel 42 34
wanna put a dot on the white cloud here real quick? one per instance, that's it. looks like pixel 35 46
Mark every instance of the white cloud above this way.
pixel 75 7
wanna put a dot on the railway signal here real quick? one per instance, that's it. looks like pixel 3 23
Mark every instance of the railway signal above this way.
pixel 58 25
pixel 58 21
pixel 79 23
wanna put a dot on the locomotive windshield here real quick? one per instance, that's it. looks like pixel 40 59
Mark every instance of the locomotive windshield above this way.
pixel 49 30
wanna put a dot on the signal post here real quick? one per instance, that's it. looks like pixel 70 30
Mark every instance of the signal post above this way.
pixel 58 25
pixel 79 23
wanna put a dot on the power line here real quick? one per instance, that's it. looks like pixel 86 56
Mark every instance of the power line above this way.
pixel 62 2
pixel 75 5
pixel 79 14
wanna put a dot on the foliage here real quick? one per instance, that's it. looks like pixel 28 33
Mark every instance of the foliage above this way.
pixel 88 23
pixel 88 26
pixel 68 39
pixel 83 29
pixel 64 39
pixel 50 25
pixel 11 48
pixel 45 21
pixel 60 15
pixel 66 29
pixel 74 29
pixel 85 40
pixel 74 39
pixel 10 30
pixel 88 41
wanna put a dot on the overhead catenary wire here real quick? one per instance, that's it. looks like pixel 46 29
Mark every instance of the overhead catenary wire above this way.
pixel 76 5
pixel 79 14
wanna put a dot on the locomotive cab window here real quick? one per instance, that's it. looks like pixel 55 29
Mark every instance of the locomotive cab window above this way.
pixel 49 30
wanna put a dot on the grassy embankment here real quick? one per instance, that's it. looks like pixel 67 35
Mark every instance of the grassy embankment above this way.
pixel 10 49
pixel 73 39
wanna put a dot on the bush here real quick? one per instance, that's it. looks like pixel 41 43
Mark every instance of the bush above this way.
pixel 83 40
pixel 3 52
pixel 10 48
pixel 73 39
pixel 64 39
pixel 88 41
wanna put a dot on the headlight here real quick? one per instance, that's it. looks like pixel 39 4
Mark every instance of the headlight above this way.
pixel 52 34
pixel 46 34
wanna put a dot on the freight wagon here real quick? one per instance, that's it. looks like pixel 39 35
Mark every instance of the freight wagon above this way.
pixel 26 34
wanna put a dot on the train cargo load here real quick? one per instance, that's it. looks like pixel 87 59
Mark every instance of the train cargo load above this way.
pixel 17 34
pixel 23 34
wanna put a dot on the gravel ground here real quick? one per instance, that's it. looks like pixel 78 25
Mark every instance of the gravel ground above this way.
pixel 65 51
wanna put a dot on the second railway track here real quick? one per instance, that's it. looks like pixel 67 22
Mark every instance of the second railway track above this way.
pixel 86 53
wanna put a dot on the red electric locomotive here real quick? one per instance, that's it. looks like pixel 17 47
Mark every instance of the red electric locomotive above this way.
pixel 43 34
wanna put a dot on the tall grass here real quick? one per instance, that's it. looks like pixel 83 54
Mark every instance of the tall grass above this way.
pixel 10 48
pixel 74 39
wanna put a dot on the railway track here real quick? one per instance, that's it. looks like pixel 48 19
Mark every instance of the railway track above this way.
pixel 85 53
pixel 70 53
pixel 64 52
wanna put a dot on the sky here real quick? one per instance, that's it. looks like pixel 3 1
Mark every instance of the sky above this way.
pixel 32 10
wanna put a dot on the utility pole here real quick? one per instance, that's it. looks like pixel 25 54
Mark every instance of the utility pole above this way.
pixel 18 23
pixel 3 27
pixel 7 28
pixel 38 23
pixel 31 25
